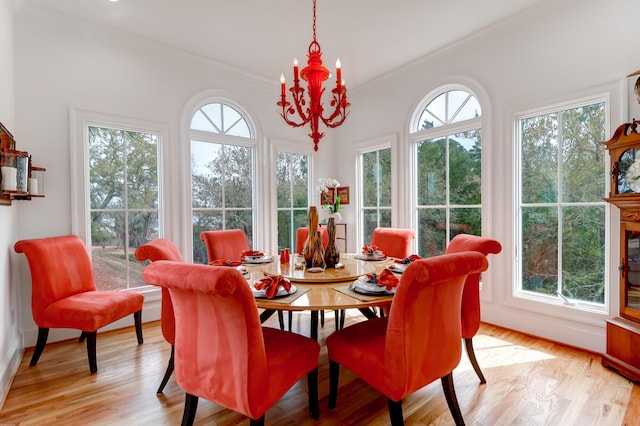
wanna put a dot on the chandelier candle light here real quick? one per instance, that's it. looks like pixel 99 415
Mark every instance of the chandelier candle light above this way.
pixel 311 111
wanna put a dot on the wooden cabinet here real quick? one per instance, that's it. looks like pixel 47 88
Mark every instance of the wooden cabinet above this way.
pixel 623 332
pixel 341 236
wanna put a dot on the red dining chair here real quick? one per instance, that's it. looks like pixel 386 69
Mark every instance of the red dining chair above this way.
pixel 64 295
pixel 229 244
pixel 163 249
pixel 393 242
pixel 225 244
pixel 417 343
pixel 223 354
pixel 302 234
pixel 471 293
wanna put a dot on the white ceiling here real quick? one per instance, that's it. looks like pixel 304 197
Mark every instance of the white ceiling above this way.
pixel 371 37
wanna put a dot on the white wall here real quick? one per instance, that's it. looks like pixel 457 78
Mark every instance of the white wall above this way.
pixel 10 341
pixel 556 51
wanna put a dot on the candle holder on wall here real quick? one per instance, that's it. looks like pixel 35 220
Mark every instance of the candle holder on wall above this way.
pixel 19 180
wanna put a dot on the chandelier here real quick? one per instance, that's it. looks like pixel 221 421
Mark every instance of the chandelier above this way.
pixel 303 111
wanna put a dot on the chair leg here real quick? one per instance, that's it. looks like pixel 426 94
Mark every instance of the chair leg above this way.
pixel 168 373
pixel 43 334
pixel 334 375
pixel 137 319
pixel 91 350
pixel 257 422
pixel 312 384
pixel 474 362
pixel 281 320
pixel 190 408
pixel 452 401
pixel 395 412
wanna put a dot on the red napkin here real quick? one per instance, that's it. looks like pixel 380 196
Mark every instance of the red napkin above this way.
pixel 371 249
pixel 385 279
pixel 251 253
pixel 271 284
pixel 225 262
pixel 409 259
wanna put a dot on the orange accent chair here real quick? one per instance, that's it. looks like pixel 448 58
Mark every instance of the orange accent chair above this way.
pixel 471 293
pixel 420 340
pixel 64 295
pixel 163 249
pixel 303 232
pixel 225 244
pixel 223 354
pixel 394 242
pixel 229 244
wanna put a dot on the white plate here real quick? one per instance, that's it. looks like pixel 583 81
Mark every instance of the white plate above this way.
pixel 258 259
pixel 262 294
pixel 398 268
pixel 364 286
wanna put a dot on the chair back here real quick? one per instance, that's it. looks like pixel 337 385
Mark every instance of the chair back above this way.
pixel 302 234
pixel 394 242
pixel 60 267
pixel 225 244
pixel 220 353
pixel 423 335
pixel 162 249
pixel 471 294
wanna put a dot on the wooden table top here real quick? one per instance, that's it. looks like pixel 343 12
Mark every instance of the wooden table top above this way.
pixel 318 290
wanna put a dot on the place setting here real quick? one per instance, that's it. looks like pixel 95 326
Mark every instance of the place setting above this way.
pixel 371 253
pixel 276 288
pixel 399 265
pixel 255 257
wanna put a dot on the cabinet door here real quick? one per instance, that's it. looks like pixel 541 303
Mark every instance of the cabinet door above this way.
pixel 630 271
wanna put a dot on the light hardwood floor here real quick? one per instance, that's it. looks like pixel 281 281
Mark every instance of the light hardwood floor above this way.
pixel 529 382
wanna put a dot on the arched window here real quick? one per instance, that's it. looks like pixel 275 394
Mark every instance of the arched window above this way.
pixel 446 137
pixel 222 172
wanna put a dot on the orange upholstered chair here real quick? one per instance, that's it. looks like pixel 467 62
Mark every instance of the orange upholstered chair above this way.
pixel 163 249
pixel 63 293
pixel 394 242
pixel 420 340
pixel 223 354
pixel 225 244
pixel 471 294
pixel 302 234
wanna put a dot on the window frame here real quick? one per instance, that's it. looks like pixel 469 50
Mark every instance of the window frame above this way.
pixel 80 121
pixel 543 302
pixel 221 139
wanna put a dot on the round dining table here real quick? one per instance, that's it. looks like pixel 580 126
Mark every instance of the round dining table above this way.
pixel 320 289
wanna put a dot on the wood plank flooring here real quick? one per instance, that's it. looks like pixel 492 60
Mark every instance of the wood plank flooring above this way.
pixel 529 382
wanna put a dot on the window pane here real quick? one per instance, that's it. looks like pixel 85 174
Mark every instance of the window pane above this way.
pixel 539 159
pixel 107 250
pixel 240 219
pixel 204 221
pixel 465 221
pixel 142 170
pixel 431 234
pixel 106 168
pixel 583 243
pixel 582 136
pixel 206 174
pixel 540 249
pixel 237 165
pixel 432 172
pixel 465 165
pixel 385 177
